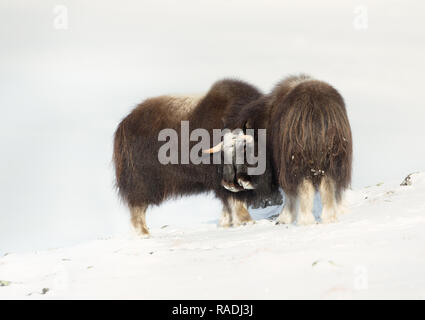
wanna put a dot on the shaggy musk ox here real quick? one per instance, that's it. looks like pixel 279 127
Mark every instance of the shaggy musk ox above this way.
pixel 143 181
pixel 308 141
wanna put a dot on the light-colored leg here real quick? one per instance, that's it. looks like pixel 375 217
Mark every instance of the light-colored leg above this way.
pixel 306 196
pixel 341 203
pixel 226 217
pixel 240 214
pixel 289 211
pixel 342 208
pixel 234 214
pixel 138 219
pixel 327 193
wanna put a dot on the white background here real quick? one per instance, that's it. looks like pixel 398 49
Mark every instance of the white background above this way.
pixel 63 92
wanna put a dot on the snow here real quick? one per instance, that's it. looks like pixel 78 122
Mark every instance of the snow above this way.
pixel 376 250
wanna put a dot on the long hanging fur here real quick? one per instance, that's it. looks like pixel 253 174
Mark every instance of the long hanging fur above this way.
pixel 310 134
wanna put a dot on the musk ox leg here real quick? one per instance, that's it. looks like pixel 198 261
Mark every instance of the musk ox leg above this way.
pixel 226 217
pixel 306 196
pixel 327 194
pixel 138 219
pixel 234 213
pixel 240 214
pixel 289 211
pixel 341 203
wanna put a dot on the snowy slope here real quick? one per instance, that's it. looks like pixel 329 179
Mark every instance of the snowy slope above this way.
pixel 377 250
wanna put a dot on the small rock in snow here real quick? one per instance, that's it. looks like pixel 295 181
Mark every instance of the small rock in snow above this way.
pixel 4 283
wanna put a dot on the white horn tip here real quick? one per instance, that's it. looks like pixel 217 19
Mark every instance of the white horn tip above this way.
pixel 214 149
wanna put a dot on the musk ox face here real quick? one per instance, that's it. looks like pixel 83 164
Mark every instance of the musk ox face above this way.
pixel 234 147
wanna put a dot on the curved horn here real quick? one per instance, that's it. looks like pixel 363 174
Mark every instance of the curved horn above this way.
pixel 214 149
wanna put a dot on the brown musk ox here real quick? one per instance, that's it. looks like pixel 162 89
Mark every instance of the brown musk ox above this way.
pixel 309 145
pixel 143 181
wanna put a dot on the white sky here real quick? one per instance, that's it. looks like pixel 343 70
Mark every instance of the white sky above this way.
pixel 62 93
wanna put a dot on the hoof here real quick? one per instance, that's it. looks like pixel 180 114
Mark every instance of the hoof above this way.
pixel 306 220
pixel 224 225
pixel 326 220
pixel 284 219
pixel 243 223
pixel 144 236
pixel 139 234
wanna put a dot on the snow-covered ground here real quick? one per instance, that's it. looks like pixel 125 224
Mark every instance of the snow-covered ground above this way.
pixel 64 91
pixel 377 250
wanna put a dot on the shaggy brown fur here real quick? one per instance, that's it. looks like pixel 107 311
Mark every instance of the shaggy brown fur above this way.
pixel 309 145
pixel 310 134
pixel 309 142
pixel 143 181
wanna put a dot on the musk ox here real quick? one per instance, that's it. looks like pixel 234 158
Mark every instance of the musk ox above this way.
pixel 309 145
pixel 143 181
